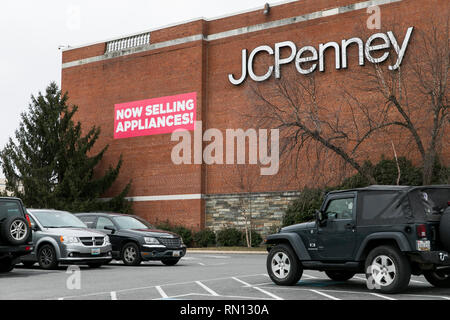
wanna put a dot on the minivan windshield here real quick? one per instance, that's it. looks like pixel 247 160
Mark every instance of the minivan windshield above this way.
pixel 58 219
pixel 131 223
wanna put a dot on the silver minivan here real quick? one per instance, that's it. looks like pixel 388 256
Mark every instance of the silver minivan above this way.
pixel 59 237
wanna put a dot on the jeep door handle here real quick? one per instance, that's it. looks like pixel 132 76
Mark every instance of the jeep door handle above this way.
pixel 350 226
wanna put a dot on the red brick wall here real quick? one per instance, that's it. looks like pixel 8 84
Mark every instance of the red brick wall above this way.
pixel 203 67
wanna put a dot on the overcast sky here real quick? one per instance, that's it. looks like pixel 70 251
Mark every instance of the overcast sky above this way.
pixel 32 31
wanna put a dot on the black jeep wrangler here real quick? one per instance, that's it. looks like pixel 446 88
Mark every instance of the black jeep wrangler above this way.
pixel 386 232
pixel 15 233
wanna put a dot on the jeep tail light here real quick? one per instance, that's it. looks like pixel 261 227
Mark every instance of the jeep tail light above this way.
pixel 28 219
pixel 422 231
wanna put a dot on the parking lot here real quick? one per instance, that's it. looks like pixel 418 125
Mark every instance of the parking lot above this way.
pixel 199 276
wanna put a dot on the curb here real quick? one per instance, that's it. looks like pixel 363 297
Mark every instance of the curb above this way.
pixel 227 252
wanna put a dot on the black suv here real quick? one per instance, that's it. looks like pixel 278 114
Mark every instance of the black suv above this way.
pixel 388 233
pixel 134 239
pixel 15 233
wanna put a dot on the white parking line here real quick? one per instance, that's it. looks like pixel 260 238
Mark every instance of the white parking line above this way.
pixel 161 292
pixel 113 295
pixel 259 289
pixel 324 294
pixel 150 287
pixel 381 296
pixel 429 296
pixel 211 291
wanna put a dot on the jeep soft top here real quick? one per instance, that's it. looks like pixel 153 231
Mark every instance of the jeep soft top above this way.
pixel 387 232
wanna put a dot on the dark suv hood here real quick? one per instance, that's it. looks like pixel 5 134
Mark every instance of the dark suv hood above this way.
pixel 299 227
pixel 150 233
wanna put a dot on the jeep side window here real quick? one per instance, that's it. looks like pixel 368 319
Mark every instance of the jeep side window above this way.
pixel 340 209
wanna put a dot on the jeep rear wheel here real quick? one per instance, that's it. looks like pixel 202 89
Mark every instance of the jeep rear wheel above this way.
pixel 340 275
pixel 283 266
pixel 15 230
pixel 387 270
pixel 439 279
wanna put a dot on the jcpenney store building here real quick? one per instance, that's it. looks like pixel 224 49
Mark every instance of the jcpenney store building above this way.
pixel 142 87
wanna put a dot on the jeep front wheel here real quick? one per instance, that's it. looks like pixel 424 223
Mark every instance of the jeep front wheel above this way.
pixel 283 266
pixel 439 279
pixel 387 270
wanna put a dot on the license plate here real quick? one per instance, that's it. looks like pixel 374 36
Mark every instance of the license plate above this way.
pixel 423 245
pixel 177 254
pixel 95 252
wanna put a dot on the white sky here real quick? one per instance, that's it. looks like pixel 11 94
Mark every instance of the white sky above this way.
pixel 31 32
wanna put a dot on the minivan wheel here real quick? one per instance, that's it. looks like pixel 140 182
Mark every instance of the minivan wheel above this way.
pixel 439 279
pixel 131 255
pixel 340 275
pixel 387 270
pixel 283 266
pixel 47 257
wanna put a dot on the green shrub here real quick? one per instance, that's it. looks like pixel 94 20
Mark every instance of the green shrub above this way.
pixel 386 173
pixel 304 208
pixel 256 239
pixel 186 234
pixel 230 237
pixel 205 238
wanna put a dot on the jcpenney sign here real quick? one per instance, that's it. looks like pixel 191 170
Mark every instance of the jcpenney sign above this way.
pixel 308 58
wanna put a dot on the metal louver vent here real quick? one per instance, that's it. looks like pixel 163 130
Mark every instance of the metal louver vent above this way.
pixel 127 43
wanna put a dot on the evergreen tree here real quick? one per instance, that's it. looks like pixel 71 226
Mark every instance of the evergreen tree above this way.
pixel 50 163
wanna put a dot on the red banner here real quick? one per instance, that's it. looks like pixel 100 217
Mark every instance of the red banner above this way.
pixel 155 116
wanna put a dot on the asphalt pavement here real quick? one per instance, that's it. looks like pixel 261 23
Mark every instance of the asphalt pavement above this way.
pixel 198 276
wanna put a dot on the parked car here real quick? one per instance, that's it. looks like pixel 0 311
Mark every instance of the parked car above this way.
pixel 134 239
pixel 388 233
pixel 62 238
pixel 15 233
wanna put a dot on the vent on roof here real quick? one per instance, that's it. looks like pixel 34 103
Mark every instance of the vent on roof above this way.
pixel 127 43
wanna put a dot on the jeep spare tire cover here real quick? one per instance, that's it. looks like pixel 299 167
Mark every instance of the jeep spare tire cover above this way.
pixel 15 230
pixel 444 230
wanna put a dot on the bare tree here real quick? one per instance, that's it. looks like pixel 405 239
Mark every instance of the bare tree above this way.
pixel 332 125
pixel 312 124
pixel 417 93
